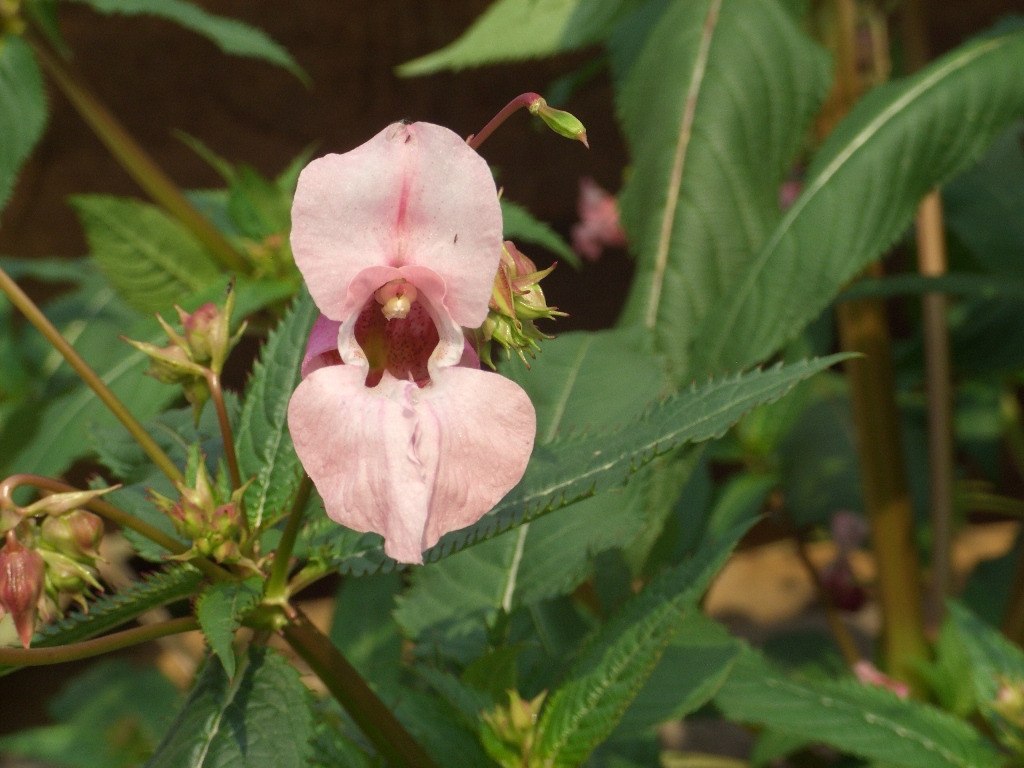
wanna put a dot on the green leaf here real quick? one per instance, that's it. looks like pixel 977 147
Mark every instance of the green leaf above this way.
pixel 364 630
pixel 514 30
pixel 566 471
pixel 520 225
pixel 258 206
pixel 220 609
pixel 694 666
pixel 983 206
pixel 862 189
pixel 620 657
pixel 869 722
pixel 149 258
pixel 714 109
pixel 262 717
pixel 23 105
pixel 107 613
pixel 957 284
pixel 230 35
pixel 581 381
pixel 110 717
pixel 264 444
pixel 994 662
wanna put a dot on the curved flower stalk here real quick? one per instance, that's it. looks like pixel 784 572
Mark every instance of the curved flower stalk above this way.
pixel 399 241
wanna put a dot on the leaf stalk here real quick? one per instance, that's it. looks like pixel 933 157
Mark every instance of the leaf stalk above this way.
pixel 277 587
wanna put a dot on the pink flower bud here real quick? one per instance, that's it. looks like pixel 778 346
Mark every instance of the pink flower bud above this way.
pixel 76 534
pixel 21 585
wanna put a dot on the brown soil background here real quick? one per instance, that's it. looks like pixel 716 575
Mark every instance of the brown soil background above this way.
pixel 156 76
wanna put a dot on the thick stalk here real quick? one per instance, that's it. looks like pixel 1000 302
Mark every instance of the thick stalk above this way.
pixel 133 158
pixel 932 262
pixel 863 328
pixel 35 316
pixel 277 587
pixel 34 657
pixel 117 516
pixel 376 721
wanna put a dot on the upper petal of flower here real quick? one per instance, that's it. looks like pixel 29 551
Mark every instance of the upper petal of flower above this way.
pixel 413 195
pixel 406 462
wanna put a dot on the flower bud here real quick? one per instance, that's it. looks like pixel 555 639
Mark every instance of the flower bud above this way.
pixel 57 504
pixel 208 332
pixel 512 728
pixel 21 585
pixel 561 122
pixel 168 365
pixel 76 534
pixel 67 576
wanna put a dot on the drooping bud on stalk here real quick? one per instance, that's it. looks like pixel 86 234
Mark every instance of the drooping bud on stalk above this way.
pixel 561 122
pixel 21 585
pixel 516 301
pixel 57 504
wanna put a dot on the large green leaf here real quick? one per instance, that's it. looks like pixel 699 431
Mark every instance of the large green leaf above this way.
pixel 568 470
pixel 581 381
pixel 220 609
pixel 262 717
pixel 714 108
pixel 23 107
pixel 985 206
pixel 994 662
pixel 513 30
pixel 264 444
pixel 861 192
pixel 621 655
pixel 149 258
pixel 865 721
pixel 230 35
pixel 155 590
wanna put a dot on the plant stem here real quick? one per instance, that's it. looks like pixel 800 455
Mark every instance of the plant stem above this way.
pixel 277 588
pixel 115 515
pixel 932 262
pixel 863 328
pixel 139 165
pixel 376 721
pixel 228 438
pixel 33 657
pixel 35 316
pixel 519 102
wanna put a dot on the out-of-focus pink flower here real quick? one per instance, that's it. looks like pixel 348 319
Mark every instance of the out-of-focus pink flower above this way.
pixel 598 227
pixel 399 241
pixel 868 674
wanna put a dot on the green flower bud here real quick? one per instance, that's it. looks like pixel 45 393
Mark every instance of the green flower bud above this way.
pixel 560 121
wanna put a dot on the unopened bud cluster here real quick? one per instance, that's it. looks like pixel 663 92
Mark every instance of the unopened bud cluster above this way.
pixel 509 733
pixel 206 512
pixel 516 301
pixel 48 557
pixel 200 350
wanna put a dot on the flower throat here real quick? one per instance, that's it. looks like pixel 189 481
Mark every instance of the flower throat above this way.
pixel 397 334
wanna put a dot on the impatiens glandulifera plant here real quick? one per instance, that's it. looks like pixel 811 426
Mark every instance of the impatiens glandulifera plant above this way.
pixel 521 553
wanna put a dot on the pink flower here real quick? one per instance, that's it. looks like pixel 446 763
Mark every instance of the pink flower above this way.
pixel 868 674
pixel 399 241
pixel 599 226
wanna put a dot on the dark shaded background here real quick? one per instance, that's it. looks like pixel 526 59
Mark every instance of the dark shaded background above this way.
pixel 156 76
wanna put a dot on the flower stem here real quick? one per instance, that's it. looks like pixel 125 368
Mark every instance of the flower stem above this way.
pixel 134 159
pixel 33 657
pixel 217 395
pixel 115 515
pixel 519 102
pixel 376 721
pixel 835 623
pixel 35 316
pixel 277 588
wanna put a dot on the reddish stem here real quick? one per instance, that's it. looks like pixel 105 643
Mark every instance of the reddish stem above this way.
pixel 519 102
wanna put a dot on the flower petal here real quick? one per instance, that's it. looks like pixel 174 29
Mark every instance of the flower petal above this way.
pixel 322 347
pixel 411 463
pixel 413 195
